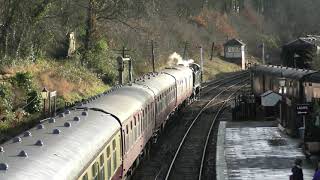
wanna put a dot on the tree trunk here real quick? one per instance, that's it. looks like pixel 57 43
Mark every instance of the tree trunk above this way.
pixel 90 29
pixel 17 53
pixel 5 45
pixel 91 25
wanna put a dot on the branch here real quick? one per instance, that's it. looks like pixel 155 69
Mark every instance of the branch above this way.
pixel 135 28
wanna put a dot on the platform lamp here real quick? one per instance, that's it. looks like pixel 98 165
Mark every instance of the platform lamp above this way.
pixel 44 95
pixel 282 91
pixel 282 84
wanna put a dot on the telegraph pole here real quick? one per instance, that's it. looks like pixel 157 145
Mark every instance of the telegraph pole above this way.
pixel 212 48
pixel 201 59
pixel 152 56
pixel 263 57
pixel 185 50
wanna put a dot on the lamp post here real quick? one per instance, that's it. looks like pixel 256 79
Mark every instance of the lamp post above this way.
pixel 282 91
pixel 44 94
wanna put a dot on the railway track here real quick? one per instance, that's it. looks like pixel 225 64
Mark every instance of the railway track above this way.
pixel 164 151
pixel 189 158
pixel 210 83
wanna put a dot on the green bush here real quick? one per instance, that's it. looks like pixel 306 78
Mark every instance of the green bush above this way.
pixel 6 98
pixel 101 61
pixel 33 102
pixel 24 81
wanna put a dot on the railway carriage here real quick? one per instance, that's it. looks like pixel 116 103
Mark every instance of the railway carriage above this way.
pixel 103 137
pixel 164 89
pixel 184 82
pixel 134 107
pixel 74 145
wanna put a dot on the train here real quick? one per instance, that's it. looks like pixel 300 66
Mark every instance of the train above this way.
pixel 104 137
pixel 302 87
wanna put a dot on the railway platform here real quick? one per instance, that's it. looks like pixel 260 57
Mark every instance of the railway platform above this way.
pixel 257 150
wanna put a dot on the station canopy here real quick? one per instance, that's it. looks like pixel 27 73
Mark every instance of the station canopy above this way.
pixel 270 98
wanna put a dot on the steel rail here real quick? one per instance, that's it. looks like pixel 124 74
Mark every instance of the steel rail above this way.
pixel 191 125
pixel 211 126
pixel 229 77
pixel 239 76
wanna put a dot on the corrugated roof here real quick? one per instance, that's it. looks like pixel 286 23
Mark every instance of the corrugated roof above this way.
pixel 279 71
pixel 309 40
pixel 315 77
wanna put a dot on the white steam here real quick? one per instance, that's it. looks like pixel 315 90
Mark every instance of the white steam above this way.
pixel 176 59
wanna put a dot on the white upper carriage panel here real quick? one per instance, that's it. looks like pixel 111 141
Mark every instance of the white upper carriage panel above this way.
pixel 123 102
pixel 184 80
pixel 157 82
pixel 59 148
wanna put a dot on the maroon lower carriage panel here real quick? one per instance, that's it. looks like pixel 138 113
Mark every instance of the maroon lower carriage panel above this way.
pixel 118 175
pixel 135 149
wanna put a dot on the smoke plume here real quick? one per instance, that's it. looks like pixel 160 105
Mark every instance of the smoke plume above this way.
pixel 176 59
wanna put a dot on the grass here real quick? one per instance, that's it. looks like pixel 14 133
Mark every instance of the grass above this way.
pixel 217 67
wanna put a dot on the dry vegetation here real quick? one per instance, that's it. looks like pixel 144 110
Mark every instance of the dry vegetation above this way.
pixel 71 81
pixel 217 67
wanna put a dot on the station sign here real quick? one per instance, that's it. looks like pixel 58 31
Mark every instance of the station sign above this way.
pixel 53 93
pixel 303 109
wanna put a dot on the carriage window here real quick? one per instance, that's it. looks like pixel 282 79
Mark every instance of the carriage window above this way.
pixel 135 121
pixel 127 129
pixel 94 169
pixel 85 177
pixel 108 152
pixel 130 125
pixel 109 167
pixel 139 128
pixel 101 171
pixel 114 161
pixel 114 155
pixel 101 159
pixel 114 144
